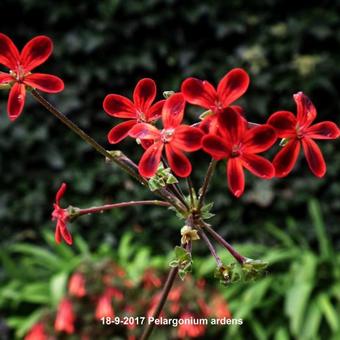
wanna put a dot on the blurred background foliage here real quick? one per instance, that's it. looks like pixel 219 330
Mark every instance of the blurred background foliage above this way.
pixel 105 47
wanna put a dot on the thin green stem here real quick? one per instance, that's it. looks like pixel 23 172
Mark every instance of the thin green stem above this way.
pixel 206 183
pixel 191 190
pixel 238 257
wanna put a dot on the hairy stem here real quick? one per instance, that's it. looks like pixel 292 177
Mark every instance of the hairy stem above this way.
pixel 213 252
pixel 93 210
pixel 238 257
pixel 165 292
pixel 116 156
pixel 206 182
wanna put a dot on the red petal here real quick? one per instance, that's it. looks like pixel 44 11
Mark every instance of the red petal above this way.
pixel 239 109
pixel 199 92
pixel 209 124
pixel 232 86
pixel 60 193
pixel 66 234
pixel 314 157
pixel 144 94
pixel 187 138
pixel 284 123
pixel 119 106
pixel 285 160
pixel 45 82
pixel 155 111
pixel 9 54
pixel 235 176
pixel 16 101
pixel 306 112
pixel 259 139
pixel 178 162
pixel 173 110
pixel 120 131
pixel 232 125
pixel 146 143
pixel 258 165
pixel 323 130
pixel 35 52
pixel 216 147
pixel 144 131
pixel 57 234
pixel 5 78
pixel 150 160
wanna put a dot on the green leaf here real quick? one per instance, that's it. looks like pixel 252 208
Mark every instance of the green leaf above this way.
pixel 329 312
pixel 58 284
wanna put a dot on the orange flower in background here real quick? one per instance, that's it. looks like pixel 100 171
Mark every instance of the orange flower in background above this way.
pixel 104 307
pixel 188 329
pixel 76 286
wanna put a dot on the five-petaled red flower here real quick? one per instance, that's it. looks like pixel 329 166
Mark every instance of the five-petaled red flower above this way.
pixel 138 111
pixel 65 318
pixel 34 53
pixel 240 146
pixel 299 130
pixel 175 138
pixel 231 87
pixel 61 216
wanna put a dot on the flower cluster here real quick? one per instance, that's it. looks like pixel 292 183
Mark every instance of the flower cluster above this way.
pixel 101 290
pixel 223 133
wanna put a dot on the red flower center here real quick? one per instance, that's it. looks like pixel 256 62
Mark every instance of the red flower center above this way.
pixel 59 214
pixel 236 150
pixel 167 135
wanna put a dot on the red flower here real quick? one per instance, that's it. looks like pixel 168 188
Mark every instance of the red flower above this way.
pixel 104 307
pixel 65 318
pixel 140 110
pixel 219 307
pixel 37 332
pixel 175 138
pixel 61 216
pixel 231 87
pixel 240 145
pixel 76 286
pixel 299 130
pixel 34 53
pixel 188 329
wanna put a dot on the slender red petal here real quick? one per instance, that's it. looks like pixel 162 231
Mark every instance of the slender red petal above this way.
pixel 314 157
pixel 285 160
pixel 57 234
pixel 120 131
pixel 5 78
pixel 232 86
pixel 144 131
pixel 323 130
pixel 36 52
pixel 65 234
pixel 60 193
pixel 187 138
pixel 232 125
pixel 150 160
pixel 9 54
pixel 118 106
pixel 284 123
pixel 155 111
pixel 235 176
pixel 178 162
pixel 199 92
pixel 173 110
pixel 16 101
pixel 306 112
pixel 216 147
pixel 44 82
pixel 258 165
pixel 239 109
pixel 259 139
pixel 144 94
pixel 146 143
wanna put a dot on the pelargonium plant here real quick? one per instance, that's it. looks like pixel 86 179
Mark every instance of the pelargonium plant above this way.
pixel 222 130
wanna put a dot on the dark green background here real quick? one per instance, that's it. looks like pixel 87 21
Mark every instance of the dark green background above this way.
pixel 105 47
